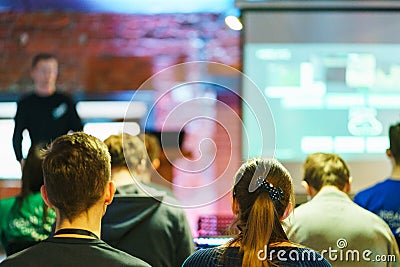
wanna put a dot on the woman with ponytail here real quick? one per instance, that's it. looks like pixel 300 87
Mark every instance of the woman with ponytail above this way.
pixel 262 198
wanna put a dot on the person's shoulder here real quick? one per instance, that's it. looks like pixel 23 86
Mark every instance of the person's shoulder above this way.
pixel 161 188
pixel 301 256
pixel 205 252
pixel 60 96
pixel 172 209
pixel 33 199
pixel 7 201
pixel 303 206
pixel 368 217
pixel 22 258
pixel 310 257
pixel 166 200
pixel 124 258
pixel 129 260
pixel 6 204
pixel 304 209
pixel 35 196
pixel 298 217
pixel 372 190
pixel 26 98
pixel 203 257
pixel 103 252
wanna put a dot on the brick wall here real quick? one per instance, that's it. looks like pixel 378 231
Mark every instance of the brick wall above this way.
pixel 81 41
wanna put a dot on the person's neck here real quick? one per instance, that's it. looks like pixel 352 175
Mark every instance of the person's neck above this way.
pixel 121 176
pixel 328 188
pixel 45 91
pixel 395 175
pixel 90 221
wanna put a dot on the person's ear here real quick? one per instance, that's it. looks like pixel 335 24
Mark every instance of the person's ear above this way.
pixel 156 163
pixel 235 205
pixel 46 200
pixel 310 191
pixel 306 187
pixel 288 210
pixel 109 193
pixel 388 153
pixel 347 186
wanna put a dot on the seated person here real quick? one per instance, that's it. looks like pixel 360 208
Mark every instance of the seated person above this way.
pixel 262 197
pixel 171 148
pixel 382 198
pixel 77 184
pixel 150 176
pixel 25 220
pixel 331 220
pixel 143 221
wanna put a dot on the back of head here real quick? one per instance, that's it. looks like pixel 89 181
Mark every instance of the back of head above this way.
pixel 394 139
pixel 32 174
pixel 259 215
pixel 126 151
pixel 322 169
pixel 152 146
pixel 76 170
pixel 41 56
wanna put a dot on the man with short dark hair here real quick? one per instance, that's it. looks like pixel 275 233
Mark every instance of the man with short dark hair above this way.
pixel 331 220
pixel 77 184
pixel 142 217
pixel 383 198
pixel 45 113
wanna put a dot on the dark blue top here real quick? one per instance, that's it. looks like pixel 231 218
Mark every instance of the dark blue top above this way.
pixel 383 200
pixel 282 256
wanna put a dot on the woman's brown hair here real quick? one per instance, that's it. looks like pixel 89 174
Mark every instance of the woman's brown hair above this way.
pixel 259 217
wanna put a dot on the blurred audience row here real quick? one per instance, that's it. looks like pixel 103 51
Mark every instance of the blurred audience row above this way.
pixel 67 203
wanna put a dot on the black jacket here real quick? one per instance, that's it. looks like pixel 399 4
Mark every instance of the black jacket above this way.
pixel 141 223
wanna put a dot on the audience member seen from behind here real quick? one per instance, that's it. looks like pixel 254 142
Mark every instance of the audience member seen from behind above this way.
pixel 262 198
pixel 151 176
pixel 77 184
pixel 141 221
pixel 25 220
pixel 331 221
pixel 382 198
pixel 153 149
pixel 45 113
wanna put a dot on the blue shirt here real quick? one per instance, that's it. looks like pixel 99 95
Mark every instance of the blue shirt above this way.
pixel 383 199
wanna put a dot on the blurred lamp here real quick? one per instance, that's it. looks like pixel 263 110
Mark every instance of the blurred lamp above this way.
pixel 233 23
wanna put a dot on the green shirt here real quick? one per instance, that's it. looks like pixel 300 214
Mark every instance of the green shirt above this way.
pixel 24 221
